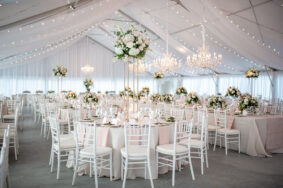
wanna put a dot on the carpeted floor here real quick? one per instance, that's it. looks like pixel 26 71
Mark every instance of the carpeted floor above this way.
pixel 31 170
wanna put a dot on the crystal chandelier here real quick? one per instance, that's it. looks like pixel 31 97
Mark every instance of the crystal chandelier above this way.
pixel 204 59
pixel 167 63
pixel 140 67
pixel 87 68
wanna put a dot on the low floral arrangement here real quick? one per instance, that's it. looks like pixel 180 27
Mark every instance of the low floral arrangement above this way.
pixel 192 98
pixel 181 90
pixel 51 91
pixel 217 101
pixel 155 97
pixel 60 71
pixel 233 92
pixel 247 102
pixel 131 43
pixel 170 119
pixel 38 91
pixel 158 75
pixel 127 91
pixel 252 73
pixel 90 98
pixel 71 95
pixel 168 98
pixel 145 90
pixel 88 83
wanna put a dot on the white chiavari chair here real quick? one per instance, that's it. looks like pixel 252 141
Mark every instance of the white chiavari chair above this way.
pixel 136 153
pixel 230 136
pixel 60 146
pixel 168 154
pixel 4 159
pixel 88 151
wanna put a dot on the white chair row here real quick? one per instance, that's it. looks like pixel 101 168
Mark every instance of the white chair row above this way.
pixel 4 159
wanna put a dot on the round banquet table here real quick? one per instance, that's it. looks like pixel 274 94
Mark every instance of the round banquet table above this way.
pixel 115 140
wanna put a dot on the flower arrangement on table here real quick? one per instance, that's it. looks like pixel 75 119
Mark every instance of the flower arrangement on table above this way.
pixel 71 95
pixel 88 83
pixel 181 90
pixel 38 91
pixel 168 98
pixel 90 98
pixel 170 119
pixel 158 75
pixel 145 90
pixel 127 91
pixel 252 73
pixel 217 101
pixel 192 98
pixel 51 91
pixel 247 102
pixel 155 97
pixel 233 92
pixel 60 71
pixel 131 43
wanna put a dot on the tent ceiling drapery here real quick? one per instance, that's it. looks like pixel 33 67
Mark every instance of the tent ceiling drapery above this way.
pixel 247 32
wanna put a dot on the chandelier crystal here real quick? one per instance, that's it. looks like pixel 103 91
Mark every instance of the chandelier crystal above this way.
pixel 167 62
pixel 87 69
pixel 140 67
pixel 204 59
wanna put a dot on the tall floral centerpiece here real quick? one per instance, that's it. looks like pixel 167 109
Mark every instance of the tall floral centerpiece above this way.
pixel 90 98
pixel 71 95
pixel 131 45
pixel 181 91
pixel 60 71
pixel 252 74
pixel 217 101
pixel 155 98
pixel 192 98
pixel 167 98
pixel 145 90
pixel 158 76
pixel 88 83
pixel 233 92
pixel 247 102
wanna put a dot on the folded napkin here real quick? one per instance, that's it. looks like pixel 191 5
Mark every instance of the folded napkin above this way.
pixel 102 134
pixel 163 133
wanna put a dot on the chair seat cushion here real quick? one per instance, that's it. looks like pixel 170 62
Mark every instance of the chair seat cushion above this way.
pixel 169 149
pixel 63 122
pixel 197 144
pixel 88 150
pixel 66 144
pixel 135 152
pixel 66 136
pixel 211 128
pixel 195 136
pixel 9 116
pixel 229 131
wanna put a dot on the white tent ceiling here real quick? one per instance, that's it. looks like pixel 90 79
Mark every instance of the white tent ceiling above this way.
pixel 246 32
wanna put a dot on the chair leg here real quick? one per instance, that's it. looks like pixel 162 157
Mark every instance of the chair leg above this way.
pixel 111 174
pixel 122 167
pixel 191 165
pixel 52 160
pixel 90 168
pixel 156 165
pixel 125 174
pixel 225 140
pixel 58 164
pixel 215 140
pixel 149 172
pixel 239 143
pixel 206 158
pixel 75 168
pixel 173 170
pixel 201 160
pixel 145 170
pixel 15 149
pixel 95 174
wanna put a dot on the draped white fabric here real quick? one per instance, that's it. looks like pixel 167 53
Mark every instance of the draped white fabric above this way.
pixel 52 33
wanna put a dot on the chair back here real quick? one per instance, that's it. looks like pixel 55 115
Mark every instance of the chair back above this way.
pixel 220 119
pixel 137 135
pixel 85 135
pixel 182 131
pixel 178 114
pixel 55 130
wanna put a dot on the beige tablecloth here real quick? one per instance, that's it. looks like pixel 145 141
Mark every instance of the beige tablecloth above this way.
pixel 260 135
pixel 116 142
